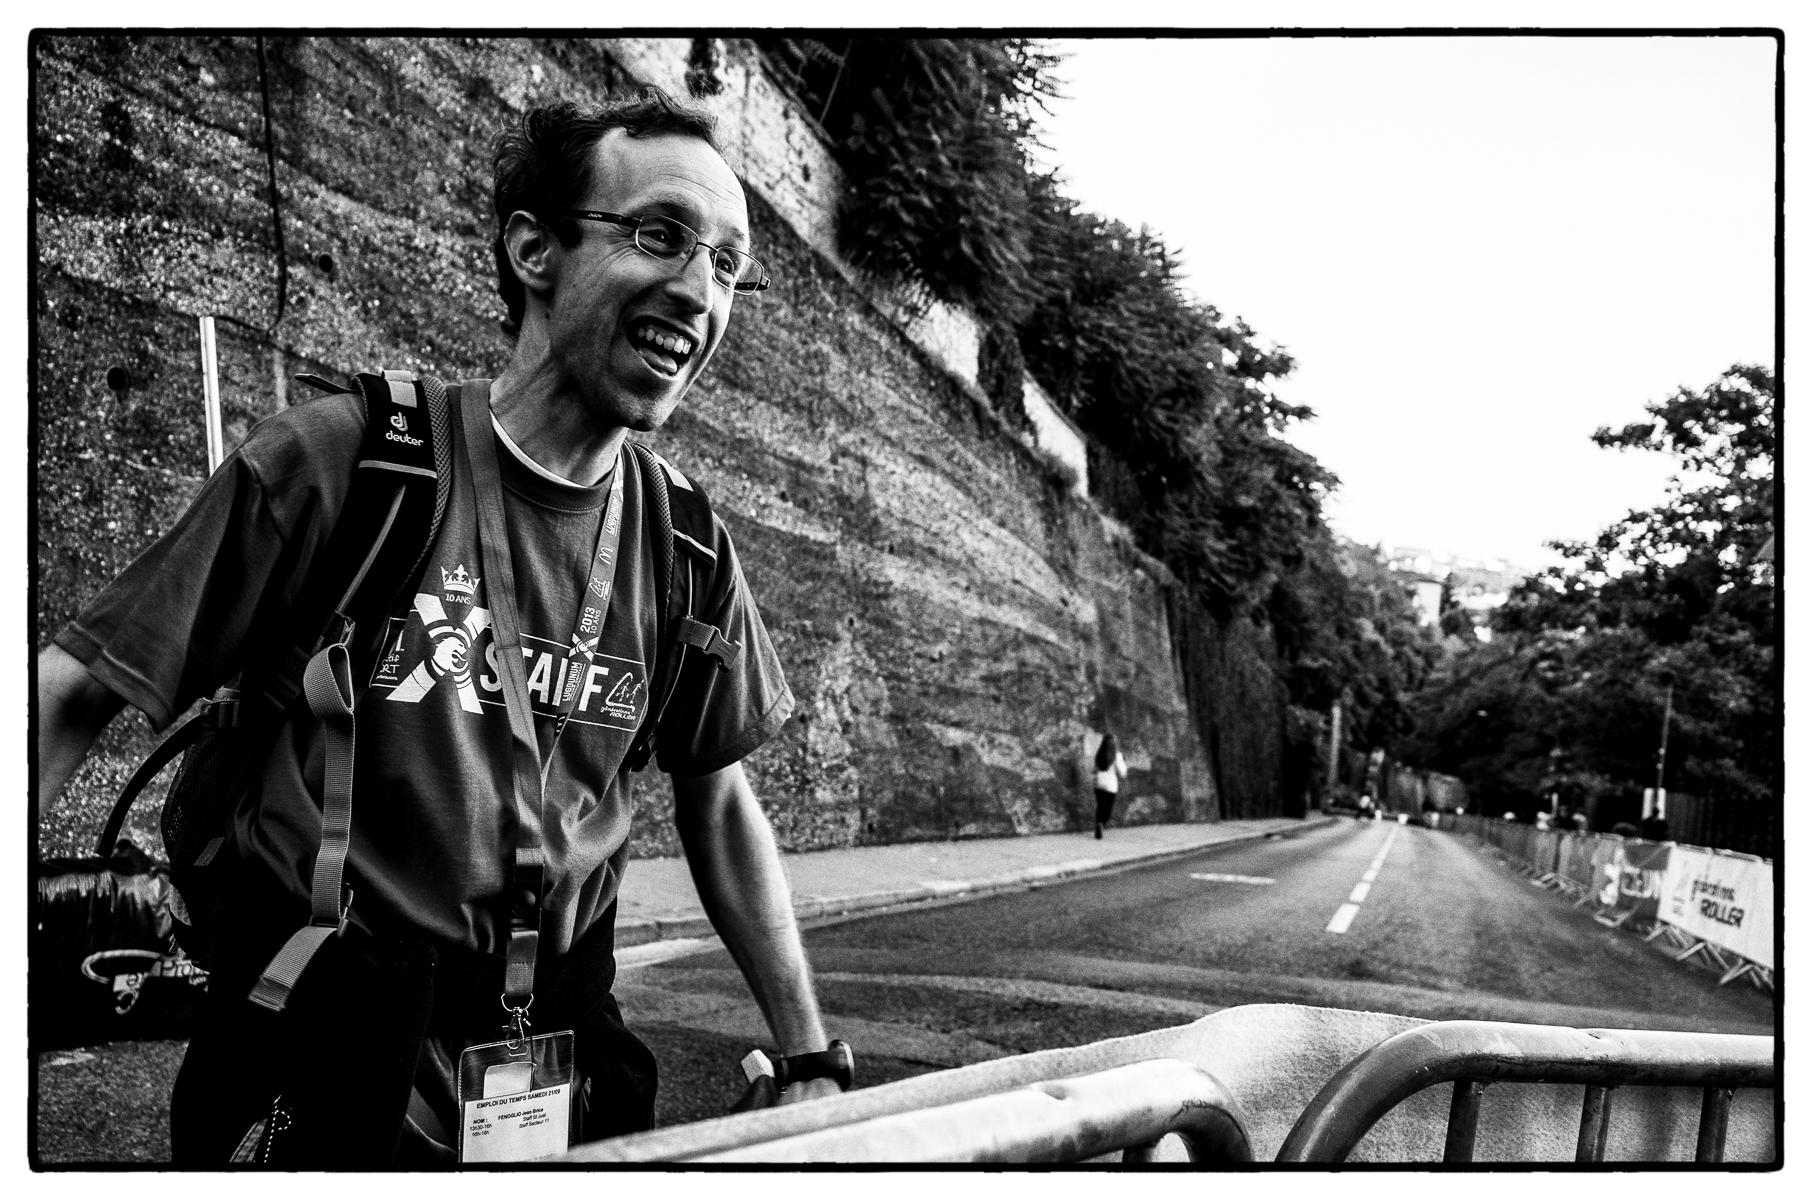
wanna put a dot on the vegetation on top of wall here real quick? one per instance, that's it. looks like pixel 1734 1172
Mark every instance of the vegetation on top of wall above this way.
pixel 932 134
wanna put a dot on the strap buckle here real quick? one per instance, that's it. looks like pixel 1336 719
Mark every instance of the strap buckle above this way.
pixel 709 639
pixel 516 1023
pixel 220 712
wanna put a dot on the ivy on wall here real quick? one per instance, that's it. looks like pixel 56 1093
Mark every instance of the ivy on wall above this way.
pixel 932 134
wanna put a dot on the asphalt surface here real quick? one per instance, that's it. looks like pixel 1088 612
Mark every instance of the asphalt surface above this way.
pixel 1434 926
pixel 1443 929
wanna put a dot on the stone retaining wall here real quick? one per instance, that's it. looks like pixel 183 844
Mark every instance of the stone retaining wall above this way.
pixel 953 618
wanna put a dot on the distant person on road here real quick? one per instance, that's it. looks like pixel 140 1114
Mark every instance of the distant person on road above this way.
pixel 1110 769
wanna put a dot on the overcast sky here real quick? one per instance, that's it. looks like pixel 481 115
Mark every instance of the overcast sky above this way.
pixel 1477 249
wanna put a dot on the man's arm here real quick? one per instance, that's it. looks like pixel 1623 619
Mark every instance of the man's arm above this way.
pixel 736 867
pixel 73 708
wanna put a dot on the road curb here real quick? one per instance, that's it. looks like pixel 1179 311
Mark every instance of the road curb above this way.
pixel 640 931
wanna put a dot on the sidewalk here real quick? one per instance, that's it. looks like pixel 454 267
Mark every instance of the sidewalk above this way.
pixel 658 903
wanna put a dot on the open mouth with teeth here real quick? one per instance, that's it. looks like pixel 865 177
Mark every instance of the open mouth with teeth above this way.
pixel 666 351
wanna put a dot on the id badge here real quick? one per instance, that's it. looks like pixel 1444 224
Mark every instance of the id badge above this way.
pixel 516 1099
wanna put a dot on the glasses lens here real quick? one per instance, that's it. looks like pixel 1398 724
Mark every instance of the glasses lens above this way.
pixel 664 238
pixel 736 270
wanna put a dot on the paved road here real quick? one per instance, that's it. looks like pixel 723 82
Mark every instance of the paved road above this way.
pixel 1424 923
pixel 1365 915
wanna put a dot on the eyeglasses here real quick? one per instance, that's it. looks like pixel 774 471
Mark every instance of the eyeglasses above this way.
pixel 667 239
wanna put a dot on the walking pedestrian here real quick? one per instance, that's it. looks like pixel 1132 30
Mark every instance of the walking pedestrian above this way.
pixel 1110 769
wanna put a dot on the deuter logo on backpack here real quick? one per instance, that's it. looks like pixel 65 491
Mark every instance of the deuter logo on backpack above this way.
pixel 401 432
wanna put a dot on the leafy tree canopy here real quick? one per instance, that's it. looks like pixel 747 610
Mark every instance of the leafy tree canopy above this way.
pixel 1672 606
pixel 1349 632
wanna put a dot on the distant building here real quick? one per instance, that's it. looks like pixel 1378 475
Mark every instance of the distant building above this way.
pixel 1479 584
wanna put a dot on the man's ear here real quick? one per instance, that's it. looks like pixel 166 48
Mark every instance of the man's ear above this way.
pixel 534 253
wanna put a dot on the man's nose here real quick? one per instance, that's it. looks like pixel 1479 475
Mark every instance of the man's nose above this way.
pixel 695 280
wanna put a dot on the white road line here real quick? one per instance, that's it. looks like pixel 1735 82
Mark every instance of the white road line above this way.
pixel 1253 879
pixel 1344 915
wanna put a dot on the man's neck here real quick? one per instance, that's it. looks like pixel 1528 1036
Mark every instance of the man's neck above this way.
pixel 553 430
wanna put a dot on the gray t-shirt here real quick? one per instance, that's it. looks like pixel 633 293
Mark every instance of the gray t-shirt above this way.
pixel 433 821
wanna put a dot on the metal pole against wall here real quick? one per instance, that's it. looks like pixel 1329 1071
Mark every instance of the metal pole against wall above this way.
pixel 1333 748
pixel 1667 718
pixel 210 392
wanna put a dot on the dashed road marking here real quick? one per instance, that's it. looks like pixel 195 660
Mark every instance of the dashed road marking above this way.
pixel 1259 880
pixel 1344 915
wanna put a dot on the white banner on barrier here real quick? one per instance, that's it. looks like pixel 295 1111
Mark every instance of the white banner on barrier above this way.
pixel 1722 899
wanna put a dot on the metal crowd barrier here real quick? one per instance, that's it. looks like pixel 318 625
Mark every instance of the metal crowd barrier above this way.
pixel 1129 1108
pixel 1575 864
pixel 1474 1054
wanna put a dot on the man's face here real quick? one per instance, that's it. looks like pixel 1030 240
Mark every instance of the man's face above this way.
pixel 630 332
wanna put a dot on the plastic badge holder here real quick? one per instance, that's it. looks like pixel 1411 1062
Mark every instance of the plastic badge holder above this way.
pixel 516 1099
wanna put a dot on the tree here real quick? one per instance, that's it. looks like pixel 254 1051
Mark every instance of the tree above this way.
pixel 1179 395
pixel 1347 630
pixel 1455 622
pixel 1672 606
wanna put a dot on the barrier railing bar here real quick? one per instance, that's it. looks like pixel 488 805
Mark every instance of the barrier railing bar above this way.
pixel 1362 1091
pixel 1128 1109
pixel 1463 1120
pixel 1714 1123
pixel 1594 1124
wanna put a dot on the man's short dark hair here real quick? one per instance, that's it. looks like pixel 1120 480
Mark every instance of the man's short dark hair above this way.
pixel 542 165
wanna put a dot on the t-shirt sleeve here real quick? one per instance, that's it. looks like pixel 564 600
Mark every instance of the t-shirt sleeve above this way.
pixel 719 716
pixel 179 620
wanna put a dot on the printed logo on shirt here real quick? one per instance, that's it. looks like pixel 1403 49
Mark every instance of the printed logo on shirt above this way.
pixel 447 642
pixel 451 623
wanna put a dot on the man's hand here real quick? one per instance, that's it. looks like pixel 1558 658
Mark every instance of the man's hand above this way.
pixel 810 1089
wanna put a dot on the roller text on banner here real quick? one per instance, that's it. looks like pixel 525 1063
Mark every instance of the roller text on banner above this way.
pixel 1724 899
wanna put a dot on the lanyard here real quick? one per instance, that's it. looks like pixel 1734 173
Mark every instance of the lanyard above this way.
pixel 529 768
pixel 594 602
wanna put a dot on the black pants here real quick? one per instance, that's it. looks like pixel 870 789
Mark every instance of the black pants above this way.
pixel 332 1075
pixel 1104 805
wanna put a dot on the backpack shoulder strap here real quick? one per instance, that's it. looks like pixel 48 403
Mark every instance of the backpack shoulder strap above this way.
pixel 398 496
pixel 685 569
pixel 401 480
pixel 691 520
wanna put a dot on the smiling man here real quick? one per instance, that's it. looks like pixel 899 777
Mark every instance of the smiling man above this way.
pixel 622 248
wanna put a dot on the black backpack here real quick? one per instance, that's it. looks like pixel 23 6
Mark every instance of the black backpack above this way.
pixel 393 511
